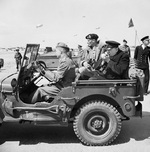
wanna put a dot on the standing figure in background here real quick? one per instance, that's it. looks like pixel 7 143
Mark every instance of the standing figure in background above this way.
pixel 18 58
pixel 125 48
pixel 80 53
pixel 142 54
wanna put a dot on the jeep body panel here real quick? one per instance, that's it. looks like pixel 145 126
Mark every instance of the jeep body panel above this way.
pixel 99 89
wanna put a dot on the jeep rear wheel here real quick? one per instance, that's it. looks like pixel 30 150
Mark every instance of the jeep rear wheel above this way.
pixel 97 123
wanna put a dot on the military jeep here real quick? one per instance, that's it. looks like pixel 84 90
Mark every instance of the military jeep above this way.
pixel 95 108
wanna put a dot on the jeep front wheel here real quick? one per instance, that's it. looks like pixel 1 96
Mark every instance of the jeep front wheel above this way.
pixel 97 123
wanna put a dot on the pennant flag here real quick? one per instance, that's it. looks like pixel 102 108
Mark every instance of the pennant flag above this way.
pixel 131 23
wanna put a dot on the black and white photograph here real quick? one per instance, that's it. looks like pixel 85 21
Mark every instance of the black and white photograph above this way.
pixel 74 75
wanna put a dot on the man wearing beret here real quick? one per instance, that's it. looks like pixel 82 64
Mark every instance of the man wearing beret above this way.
pixel 117 63
pixel 124 47
pixel 91 55
pixel 63 77
pixel 142 54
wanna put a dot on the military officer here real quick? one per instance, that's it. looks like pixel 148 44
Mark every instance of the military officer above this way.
pixel 18 58
pixel 117 63
pixel 125 47
pixel 142 54
pixel 91 55
pixel 63 77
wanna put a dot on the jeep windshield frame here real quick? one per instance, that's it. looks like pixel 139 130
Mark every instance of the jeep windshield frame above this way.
pixel 30 54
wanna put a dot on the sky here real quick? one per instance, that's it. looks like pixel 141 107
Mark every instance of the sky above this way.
pixel 47 22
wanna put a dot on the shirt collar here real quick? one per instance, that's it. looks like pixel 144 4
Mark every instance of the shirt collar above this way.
pixel 143 46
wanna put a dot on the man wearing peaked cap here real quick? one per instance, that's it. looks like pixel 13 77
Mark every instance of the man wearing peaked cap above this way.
pixel 116 61
pixel 142 55
pixel 112 44
pixel 91 55
pixel 145 38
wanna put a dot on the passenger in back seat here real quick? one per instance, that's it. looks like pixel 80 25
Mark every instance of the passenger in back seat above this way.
pixel 116 64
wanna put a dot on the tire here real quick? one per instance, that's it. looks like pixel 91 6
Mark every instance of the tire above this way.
pixel 97 123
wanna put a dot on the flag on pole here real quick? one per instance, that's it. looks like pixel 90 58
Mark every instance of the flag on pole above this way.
pixel 131 23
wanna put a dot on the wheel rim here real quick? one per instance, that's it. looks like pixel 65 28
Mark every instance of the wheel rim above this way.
pixel 97 123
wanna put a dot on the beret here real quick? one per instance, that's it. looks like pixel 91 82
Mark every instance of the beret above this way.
pixel 145 37
pixel 112 43
pixel 63 45
pixel 92 36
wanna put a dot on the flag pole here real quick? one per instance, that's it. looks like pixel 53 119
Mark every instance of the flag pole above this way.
pixel 135 36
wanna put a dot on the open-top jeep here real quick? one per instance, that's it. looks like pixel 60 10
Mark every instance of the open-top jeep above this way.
pixel 96 108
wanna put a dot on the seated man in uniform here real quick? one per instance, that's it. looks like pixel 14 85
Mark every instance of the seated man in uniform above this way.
pixel 63 77
pixel 116 64
pixel 90 56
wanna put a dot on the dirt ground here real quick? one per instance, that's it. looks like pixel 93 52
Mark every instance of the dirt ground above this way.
pixel 134 136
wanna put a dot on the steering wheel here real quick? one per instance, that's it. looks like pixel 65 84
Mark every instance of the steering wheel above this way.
pixel 40 67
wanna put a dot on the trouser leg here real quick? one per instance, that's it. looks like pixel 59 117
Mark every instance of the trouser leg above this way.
pixel 40 94
pixel 85 73
pixel 17 66
pixel 98 76
pixel 146 81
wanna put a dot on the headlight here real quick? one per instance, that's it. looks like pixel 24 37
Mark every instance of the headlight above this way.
pixel 14 83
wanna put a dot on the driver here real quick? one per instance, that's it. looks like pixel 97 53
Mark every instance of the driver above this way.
pixel 63 77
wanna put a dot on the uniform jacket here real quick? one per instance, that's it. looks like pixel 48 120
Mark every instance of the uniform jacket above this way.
pixel 92 55
pixel 125 48
pixel 142 55
pixel 18 56
pixel 118 66
pixel 65 74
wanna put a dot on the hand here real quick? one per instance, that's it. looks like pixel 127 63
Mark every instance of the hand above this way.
pixel 86 65
pixel 107 59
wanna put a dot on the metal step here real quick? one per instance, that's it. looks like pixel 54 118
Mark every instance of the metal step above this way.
pixel 10 119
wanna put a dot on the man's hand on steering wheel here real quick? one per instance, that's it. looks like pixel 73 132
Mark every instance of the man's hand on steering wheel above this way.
pixel 39 67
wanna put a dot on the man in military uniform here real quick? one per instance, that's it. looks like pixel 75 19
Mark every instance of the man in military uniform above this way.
pixel 141 54
pixel 125 47
pixel 18 58
pixel 63 77
pixel 91 55
pixel 117 63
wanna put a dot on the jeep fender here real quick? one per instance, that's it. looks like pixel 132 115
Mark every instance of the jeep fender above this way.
pixel 1 112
